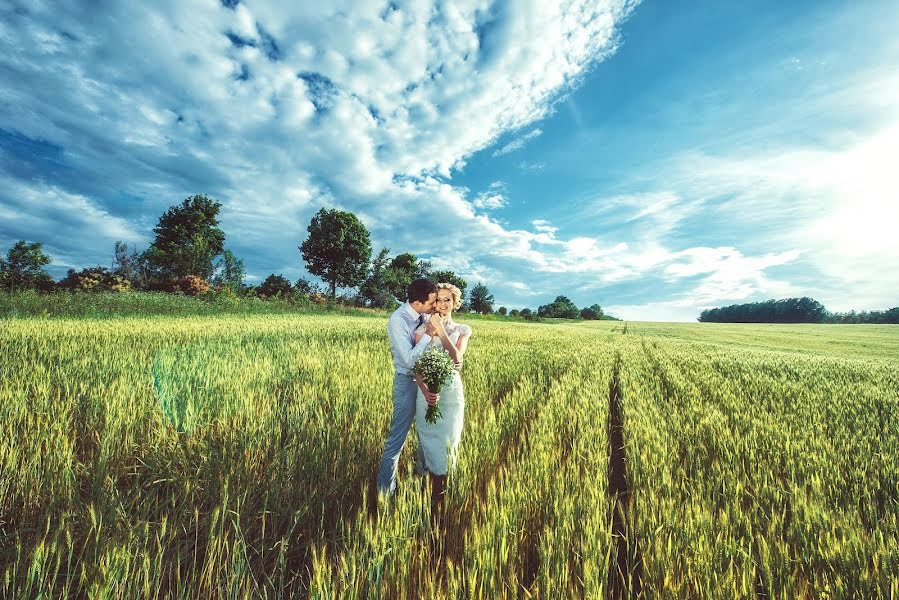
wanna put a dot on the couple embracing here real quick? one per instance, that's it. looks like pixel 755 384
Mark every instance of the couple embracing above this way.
pixel 425 320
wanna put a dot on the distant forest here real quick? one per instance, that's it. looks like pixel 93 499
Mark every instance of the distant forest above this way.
pixel 793 310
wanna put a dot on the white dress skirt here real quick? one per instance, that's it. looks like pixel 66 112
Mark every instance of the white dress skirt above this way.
pixel 440 441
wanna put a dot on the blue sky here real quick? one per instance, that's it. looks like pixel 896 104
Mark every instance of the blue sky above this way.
pixel 656 158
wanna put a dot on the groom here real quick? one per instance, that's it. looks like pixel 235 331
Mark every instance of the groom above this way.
pixel 421 295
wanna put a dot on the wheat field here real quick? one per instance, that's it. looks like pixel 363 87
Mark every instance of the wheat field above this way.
pixel 234 456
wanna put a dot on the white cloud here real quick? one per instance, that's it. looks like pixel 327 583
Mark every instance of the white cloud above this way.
pixel 518 143
pixel 531 165
pixel 279 109
pixel 371 108
pixel 835 206
pixel 75 222
pixel 493 198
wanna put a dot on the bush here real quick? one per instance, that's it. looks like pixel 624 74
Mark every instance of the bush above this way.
pixel 275 285
pixel 189 285
pixel 93 279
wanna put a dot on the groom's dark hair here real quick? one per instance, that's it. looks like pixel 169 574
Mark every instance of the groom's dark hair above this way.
pixel 420 289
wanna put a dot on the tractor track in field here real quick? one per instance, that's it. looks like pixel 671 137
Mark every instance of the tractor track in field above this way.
pixel 626 562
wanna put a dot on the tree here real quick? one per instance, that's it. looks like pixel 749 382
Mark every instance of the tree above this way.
pixel 132 266
pixel 402 270
pixel 502 311
pixel 592 313
pixel 449 277
pixel 229 272
pixel 338 248
pixel 788 310
pixel 304 286
pixel 125 261
pixel 377 290
pixel 528 315
pixel 23 268
pixel 514 312
pixel 274 285
pixel 560 308
pixel 187 239
pixel 481 300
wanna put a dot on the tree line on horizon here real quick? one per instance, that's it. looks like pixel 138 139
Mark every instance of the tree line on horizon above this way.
pixel 793 310
pixel 188 256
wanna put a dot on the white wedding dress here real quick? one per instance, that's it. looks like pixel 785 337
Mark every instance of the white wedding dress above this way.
pixel 440 441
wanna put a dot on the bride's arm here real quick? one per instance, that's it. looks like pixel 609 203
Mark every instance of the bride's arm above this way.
pixel 462 345
pixel 457 350
pixel 419 333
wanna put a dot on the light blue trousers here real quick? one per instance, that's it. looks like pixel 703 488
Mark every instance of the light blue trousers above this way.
pixel 404 391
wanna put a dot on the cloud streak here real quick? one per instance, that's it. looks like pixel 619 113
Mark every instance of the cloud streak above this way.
pixel 518 143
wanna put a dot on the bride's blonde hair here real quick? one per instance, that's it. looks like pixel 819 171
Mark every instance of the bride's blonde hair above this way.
pixel 456 292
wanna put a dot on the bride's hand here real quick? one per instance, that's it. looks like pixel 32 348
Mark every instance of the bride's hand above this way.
pixel 435 324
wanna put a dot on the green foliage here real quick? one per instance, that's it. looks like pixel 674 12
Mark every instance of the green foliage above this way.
pixel 592 313
pixel 377 291
pixel 103 304
pixel 338 248
pixel 560 308
pixel 229 272
pixel 401 271
pixel 502 311
pixel 789 310
pixel 23 268
pixel 306 287
pixel 190 285
pixel 514 312
pixel 94 279
pixel 449 277
pixel 865 316
pixel 187 239
pixel 481 299
pixel 133 266
pixel 274 285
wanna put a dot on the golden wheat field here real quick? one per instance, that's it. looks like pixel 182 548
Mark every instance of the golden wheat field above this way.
pixel 234 457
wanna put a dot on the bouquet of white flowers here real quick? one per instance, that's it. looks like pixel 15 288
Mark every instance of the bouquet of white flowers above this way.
pixel 434 367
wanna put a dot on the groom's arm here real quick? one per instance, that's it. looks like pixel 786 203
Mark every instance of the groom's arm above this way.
pixel 401 344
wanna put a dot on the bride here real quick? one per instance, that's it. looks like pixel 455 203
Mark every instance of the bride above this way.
pixel 440 441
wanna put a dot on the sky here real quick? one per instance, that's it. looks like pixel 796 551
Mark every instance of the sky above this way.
pixel 656 158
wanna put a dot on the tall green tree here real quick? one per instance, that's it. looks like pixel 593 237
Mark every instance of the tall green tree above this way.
pixel 188 238
pixel 304 286
pixel 377 289
pixel 402 269
pixel 338 248
pixel 592 313
pixel 125 261
pixel 229 272
pixel 23 268
pixel 481 299
pixel 560 308
pixel 274 285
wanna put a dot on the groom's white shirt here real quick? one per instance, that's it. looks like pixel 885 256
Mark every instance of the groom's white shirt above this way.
pixel 400 329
